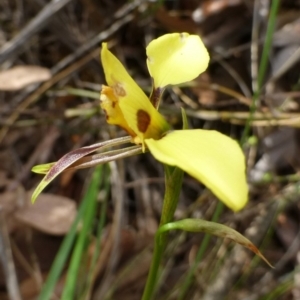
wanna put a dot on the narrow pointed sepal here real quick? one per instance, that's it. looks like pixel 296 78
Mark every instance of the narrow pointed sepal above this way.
pixel 54 169
pixel 211 157
pixel 176 58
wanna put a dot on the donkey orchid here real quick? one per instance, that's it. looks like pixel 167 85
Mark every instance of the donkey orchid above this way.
pixel 211 157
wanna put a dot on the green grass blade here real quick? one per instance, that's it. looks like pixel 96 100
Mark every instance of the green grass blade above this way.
pixel 83 93
pixel 101 224
pixel 262 66
pixel 61 257
pixel 268 43
pixel 91 199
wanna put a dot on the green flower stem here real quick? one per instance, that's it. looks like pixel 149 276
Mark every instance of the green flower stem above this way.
pixel 173 183
pixel 173 178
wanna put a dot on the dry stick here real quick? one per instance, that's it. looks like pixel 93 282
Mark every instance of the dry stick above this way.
pixel 7 262
pixel 61 65
pixel 186 99
pixel 214 87
pixel 290 62
pixel 16 45
pixel 225 90
pixel 254 45
pixel 57 26
pixel 60 26
pixel 116 25
pixel 235 75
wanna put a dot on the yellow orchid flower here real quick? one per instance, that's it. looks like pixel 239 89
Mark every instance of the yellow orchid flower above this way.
pixel 211 157
pixel 171 59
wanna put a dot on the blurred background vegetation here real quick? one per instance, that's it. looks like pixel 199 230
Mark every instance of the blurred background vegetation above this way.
pixel 103 220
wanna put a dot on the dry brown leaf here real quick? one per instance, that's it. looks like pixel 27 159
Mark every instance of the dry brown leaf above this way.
pixel 51 214
pixel 8 201
pixel 19 77
pixel 208 8
pixel 29 288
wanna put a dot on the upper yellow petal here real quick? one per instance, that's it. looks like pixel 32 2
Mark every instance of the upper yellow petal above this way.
pixel 140 115
pixel 176 58
pixel 211 157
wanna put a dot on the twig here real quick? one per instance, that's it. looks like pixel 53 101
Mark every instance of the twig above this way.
pixel 7 262
pixel 16 45
pixel 254 45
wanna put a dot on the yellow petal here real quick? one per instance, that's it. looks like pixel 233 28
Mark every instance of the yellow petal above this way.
pixel 211 157
pixel 176 58
pixel 116 75
pixel 144 120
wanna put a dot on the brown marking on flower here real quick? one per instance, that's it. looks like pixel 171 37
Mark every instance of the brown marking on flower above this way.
pixel 155 96
pixel 107 93
pixel 106 115
pixel 143 120
pixel 119 90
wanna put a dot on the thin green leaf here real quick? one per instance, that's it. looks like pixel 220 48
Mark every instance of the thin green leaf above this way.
pixel 199 225
pixel 61 257
pixel 91 198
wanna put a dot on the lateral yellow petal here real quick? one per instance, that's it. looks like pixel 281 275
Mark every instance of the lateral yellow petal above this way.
pixel 211 157
pixel 139 113
pixel 176 58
